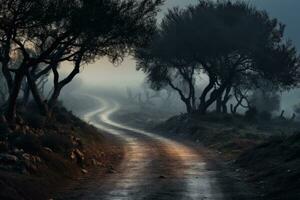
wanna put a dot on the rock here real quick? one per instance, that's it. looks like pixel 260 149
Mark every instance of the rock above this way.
pixel 16 127
pixel 73 155
pixel 76 154
pixel 84 171
pixel 96 162
pixel 48 149
pixel 17 151
pixel 31 162
pixel 32 158
pixel 8 158
pixel 19 120
pixel 79 154
pixel 111 170
pixel 26 156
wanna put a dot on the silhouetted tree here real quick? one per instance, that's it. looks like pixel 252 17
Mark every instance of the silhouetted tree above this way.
pixel 65 30
pixel 3 91
pixel 164 72
pixel 226 41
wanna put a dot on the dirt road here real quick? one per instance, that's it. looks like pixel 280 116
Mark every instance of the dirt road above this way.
pixel 153 167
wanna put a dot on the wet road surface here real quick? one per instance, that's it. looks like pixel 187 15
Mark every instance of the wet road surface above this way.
pixel 153 167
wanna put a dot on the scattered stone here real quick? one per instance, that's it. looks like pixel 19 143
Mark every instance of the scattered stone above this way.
pixel 76 141
pixel 48 149
pixel 79 153
pixel 17 151
pixel 20 120
pixel 31 162
pixel 111 170
pixel 84 171
pixel 8 158
pixel 96 162
pixel 73 155
pixel 26 156
pixel 16 127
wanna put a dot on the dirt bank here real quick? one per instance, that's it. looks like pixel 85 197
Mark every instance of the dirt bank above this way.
pixel 266 160
pixel 39 157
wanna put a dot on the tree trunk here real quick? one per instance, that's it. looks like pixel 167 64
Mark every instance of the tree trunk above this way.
pixel 13 96
pixel 203 107
pixel 54 97
pixel 26 94
pixel 233 109
pixel 225 100
pixel 36 95
pixel 224 108
pixel 219 104
pixel 59 85
pixel 7 75
pixel 213 97
pixel 188 105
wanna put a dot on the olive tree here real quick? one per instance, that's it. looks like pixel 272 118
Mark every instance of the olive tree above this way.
pixel 59 31
pixel 227 42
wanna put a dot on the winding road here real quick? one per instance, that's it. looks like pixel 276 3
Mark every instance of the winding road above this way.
pixel 153 167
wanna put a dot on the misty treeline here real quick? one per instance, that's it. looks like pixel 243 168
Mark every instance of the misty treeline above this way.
pixel 37 37
pixel 222 54
pixel 148 98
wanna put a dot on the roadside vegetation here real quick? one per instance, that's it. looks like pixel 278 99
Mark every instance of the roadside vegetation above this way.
pixel 41 157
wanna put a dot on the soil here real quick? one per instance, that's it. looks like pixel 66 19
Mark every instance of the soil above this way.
pixel 255 160
pixel 52 156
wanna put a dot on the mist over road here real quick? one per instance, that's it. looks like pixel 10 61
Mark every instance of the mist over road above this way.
pixel 153 167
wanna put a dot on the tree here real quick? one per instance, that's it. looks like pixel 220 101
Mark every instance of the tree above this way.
pixel 164 72
pixel 227 42
pixel 66 30
pixel 3 91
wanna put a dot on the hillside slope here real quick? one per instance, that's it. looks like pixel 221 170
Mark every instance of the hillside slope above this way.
pixel 265 158
pixel 39 157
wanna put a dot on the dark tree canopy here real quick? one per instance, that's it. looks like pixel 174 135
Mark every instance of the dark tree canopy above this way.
pixel 228 42
pixel 56 31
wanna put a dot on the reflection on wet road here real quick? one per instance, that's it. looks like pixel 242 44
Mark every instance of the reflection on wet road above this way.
pixel 153 167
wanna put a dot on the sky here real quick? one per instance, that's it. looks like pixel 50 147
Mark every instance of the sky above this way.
pixel 104 74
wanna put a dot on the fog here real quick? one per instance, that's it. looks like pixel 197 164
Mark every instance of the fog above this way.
pixel 116 78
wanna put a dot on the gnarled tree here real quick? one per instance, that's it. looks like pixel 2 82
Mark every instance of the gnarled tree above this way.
pixel 67 31
pixel 227 42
